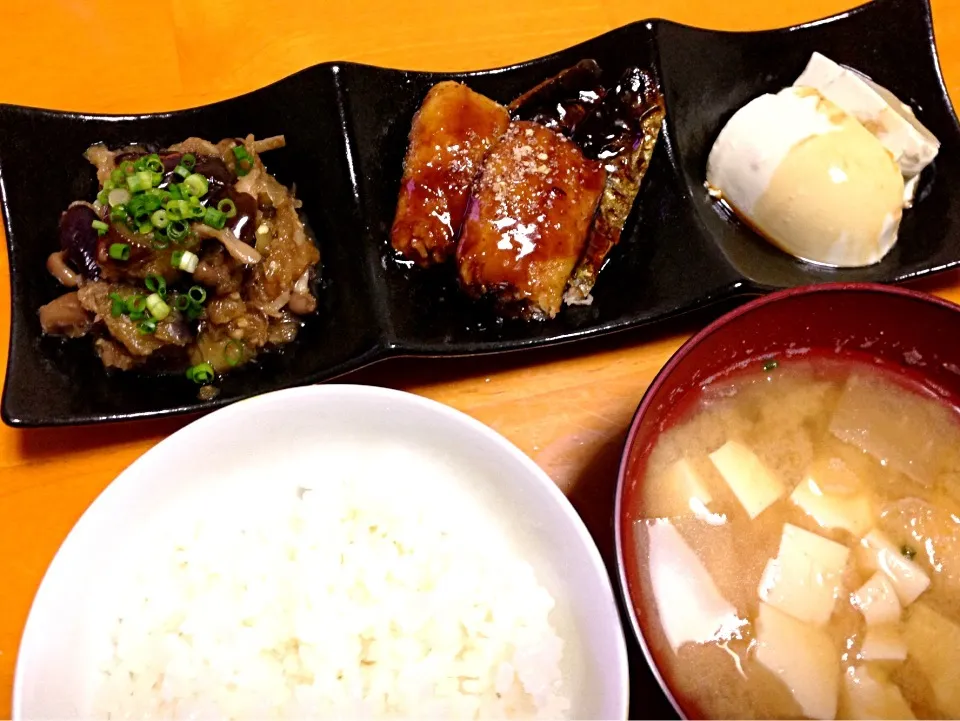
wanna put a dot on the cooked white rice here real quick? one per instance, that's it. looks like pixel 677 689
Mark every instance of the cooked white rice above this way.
pixel 357 599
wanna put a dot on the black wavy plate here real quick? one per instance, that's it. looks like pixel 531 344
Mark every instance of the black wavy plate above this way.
pixel 346 129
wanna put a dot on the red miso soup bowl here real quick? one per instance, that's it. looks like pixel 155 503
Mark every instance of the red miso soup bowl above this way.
pixel 913 334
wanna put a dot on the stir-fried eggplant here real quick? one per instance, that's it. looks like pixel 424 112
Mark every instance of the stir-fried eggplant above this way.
pixel 192 257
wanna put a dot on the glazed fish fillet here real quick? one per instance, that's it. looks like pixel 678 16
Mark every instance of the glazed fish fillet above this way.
pixel 527 220
pixel 618 126
pixel 450 135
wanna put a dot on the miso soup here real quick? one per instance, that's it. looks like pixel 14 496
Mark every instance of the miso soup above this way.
pixel 797 538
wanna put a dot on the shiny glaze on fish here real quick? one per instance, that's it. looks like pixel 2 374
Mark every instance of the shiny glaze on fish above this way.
pixel 528 218
pixel 619 127
pixel 451 133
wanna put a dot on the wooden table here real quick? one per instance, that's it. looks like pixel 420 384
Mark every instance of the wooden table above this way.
pixel 568 408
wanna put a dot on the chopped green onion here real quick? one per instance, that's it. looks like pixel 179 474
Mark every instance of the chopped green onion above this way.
pixel 227 207
pixel 195 185
pixel 770 365
pixel 233 352
pixel 156 284
pixel 158 309
pixel 140 164
pixel 119 306
pixel 136 304
pixel 126 167
pixel 118 213
pixel 100 227
pixel 103 196
pixel 176 193
pixel 157 179
pixel 197 294
pixel 119 251
pixel 194 311
pixel 214 218
pixel 176 228
pixel 154 164
pixel 147 326
pixel 118 196
pixel 160 241
pixel 185 260
pixel 118 176
pixel 195 209
pixel 145 228
pixel 188 161
pixel 159 219
pixel 240 153
pixel 181 171
pixel 201 373
pixel 140 181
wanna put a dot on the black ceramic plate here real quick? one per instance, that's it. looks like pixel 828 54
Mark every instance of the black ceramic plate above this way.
pixel 346 129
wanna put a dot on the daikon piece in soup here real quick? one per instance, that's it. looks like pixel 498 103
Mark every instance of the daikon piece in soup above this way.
pixel 796 537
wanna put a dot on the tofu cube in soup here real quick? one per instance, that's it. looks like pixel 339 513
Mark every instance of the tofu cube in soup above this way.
pixel 867 695
pixel 803 657
pixel 877 600
pixel 527 220
pixel 834 497
pixel 754 485
pixel 690 606
pixel 805 578
pixel 451 133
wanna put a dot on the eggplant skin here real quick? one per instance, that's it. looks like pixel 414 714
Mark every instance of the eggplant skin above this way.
pixel 79 239
pixel 527 220
pixel 450 135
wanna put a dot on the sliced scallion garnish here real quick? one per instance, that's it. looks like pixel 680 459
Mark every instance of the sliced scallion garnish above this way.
pixel 158 309
pixel 188 161
pixel 119 251
pixel 214 218
pixel 197 294
pixel 227 207
pixel 100 227
pixel 201 373
pixel 195 185
pixel 156 284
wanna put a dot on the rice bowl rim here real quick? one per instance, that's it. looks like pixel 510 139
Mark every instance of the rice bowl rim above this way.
pixel 100 509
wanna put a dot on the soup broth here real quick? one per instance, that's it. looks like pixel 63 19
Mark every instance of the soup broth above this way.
pixel 797 536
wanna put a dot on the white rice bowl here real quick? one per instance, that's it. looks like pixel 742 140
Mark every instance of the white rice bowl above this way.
pixel 324 563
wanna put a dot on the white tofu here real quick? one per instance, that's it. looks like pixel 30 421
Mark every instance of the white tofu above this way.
pixel 907 577
pixel 804 579
pixel 877 600
pixel 751 482
pixel 679 491
pixel 867 697
pixel 883 643
pixel 933 642
pixel 852 512
pixel 803 657
pixel 691 607
pixel 893 123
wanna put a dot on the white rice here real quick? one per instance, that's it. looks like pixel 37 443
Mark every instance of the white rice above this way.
pixel 357 599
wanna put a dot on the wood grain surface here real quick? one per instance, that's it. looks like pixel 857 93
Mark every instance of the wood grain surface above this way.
pixel 568 408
